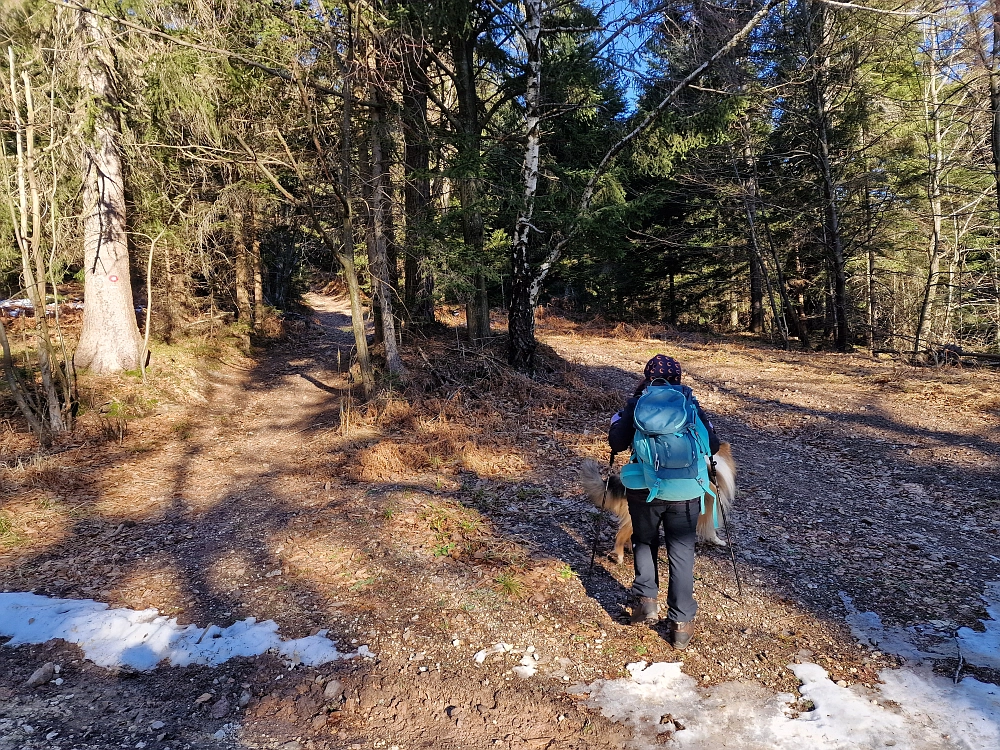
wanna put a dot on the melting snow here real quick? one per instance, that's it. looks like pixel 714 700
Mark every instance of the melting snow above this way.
pixel 925 711
pixel 143 639
pixel 983 649
pixel 932 713
pixel 496 648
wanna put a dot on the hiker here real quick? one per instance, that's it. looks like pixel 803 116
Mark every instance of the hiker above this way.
pixel 679 517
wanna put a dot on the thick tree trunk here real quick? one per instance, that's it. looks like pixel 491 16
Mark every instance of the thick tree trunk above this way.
pixel 109 340
pixel 524 293
pixel 469 147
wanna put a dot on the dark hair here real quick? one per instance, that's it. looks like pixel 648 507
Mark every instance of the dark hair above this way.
pixel 646 382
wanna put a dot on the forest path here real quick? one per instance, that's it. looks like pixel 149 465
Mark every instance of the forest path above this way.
pixel 858 476
pixel 431 530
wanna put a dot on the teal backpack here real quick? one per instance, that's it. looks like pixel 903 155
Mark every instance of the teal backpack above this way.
pixel 669 447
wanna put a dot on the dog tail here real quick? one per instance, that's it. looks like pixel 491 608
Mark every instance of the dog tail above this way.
pixel 725 476
pixel 593 483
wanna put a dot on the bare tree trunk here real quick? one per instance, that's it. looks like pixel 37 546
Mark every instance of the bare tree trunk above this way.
pixel 993 68
pixel 345 254
pixel 51 415
pixel 418 280
pixel 829 187
pixel 378 252
pixel 244 307
pixel 802 321
pixel 935 157
pixel 870 248
pixel 365 169
pixel 756 294
pixel 258 269
pixel 758 268
pixel 523 292
pixel 871 297
pixel 470 143
pixel 109 340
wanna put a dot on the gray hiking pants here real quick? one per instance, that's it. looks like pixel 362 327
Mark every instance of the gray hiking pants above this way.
pixel 680 524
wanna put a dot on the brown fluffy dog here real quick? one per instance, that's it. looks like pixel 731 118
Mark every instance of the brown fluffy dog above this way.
pixel 593 484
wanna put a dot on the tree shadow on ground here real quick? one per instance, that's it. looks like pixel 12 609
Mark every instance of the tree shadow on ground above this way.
pixel 367 556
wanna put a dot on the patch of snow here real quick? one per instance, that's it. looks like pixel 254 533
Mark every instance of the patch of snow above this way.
pixel 527 667
pixel 932 713
pixel 143 639
pixel 983 649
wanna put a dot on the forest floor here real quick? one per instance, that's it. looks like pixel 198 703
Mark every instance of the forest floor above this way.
pixel 436 523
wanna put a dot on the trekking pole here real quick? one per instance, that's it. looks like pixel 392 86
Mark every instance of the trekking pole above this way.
pixel 725 525
pixel 597 522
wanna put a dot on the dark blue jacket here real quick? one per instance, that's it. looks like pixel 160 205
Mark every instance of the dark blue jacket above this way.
pixel 623 428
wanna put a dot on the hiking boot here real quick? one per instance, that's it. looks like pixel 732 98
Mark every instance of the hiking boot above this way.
pixel 645 611
pixel 680 634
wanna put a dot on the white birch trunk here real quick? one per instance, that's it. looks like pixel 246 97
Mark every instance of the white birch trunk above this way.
pixel 525 284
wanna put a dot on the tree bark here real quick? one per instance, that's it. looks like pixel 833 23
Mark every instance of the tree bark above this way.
pixel 993 68
pixel 524 292
pixel 258 270
pixel 418 280
pixel 829 187
pixel 756 295
pixel 381 283
pixel 758 269
pixel 109 340
pixel 345 253
pixel 469 154
pixel 935 157
pixel 242 263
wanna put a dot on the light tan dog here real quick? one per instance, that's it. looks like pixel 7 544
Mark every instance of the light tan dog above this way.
pixel 725 486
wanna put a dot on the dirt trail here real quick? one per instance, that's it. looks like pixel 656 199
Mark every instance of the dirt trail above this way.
pixel 429 536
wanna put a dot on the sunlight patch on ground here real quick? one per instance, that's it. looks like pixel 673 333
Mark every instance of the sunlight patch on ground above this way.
pixel 143 639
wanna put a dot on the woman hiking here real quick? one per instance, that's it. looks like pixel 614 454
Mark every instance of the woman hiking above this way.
pixel 679 518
